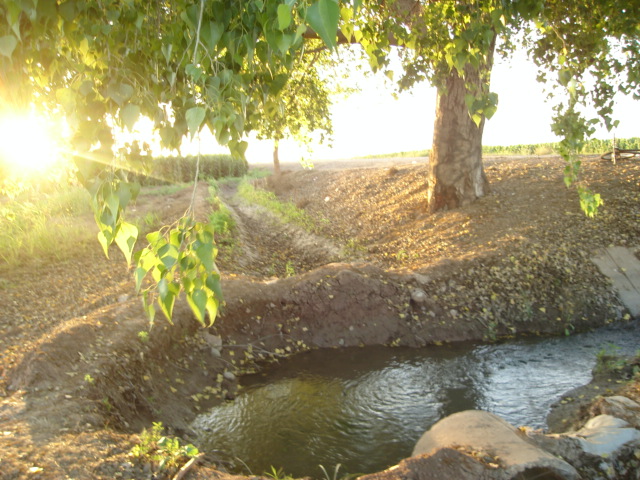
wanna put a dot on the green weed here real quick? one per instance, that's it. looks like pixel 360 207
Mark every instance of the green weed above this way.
pixel 608 359
pixel 334 475
pixel 289 269
pixel 278 474
pixel 162 452
pixel 352 247
pixel 221 219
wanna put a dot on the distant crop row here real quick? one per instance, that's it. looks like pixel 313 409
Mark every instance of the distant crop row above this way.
pixel 594 146
pixel 165 170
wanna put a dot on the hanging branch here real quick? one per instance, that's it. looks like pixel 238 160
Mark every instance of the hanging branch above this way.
pixel 191 209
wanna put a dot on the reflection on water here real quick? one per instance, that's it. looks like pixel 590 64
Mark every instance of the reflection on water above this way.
pixel 366 407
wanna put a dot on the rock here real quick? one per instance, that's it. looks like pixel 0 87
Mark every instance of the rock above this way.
pixel 445 463
pixel 498 443
pixel 620 407
pixel 602 447
pixel 214 341
pixel 419 296
pixel 422 279
pixel 605 435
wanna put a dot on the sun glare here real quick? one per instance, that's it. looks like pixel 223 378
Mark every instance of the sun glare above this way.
pixel 27 143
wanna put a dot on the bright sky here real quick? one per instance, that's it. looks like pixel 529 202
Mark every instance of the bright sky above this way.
pixel 366 123
pixel 373 122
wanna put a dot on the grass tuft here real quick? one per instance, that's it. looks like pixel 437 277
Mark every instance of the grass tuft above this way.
pixel 43 226
pixel 287 211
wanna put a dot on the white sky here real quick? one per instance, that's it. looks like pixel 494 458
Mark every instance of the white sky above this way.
pixel 373 122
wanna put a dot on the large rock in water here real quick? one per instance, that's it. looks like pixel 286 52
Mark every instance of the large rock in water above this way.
pixel 477 445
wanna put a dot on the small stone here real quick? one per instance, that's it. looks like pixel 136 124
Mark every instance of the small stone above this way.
pixel 419 296
pixel 214 341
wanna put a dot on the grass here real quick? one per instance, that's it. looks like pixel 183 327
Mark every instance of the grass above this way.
pixel 164 189
pixel 286 211
pixel 37 226
pixel 223 223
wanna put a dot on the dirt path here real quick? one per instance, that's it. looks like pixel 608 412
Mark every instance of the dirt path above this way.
pixel 269 247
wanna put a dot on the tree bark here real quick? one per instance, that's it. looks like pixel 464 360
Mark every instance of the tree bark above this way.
pixel 456 175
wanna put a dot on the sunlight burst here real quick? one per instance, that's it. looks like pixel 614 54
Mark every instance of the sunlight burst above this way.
pixel 27 143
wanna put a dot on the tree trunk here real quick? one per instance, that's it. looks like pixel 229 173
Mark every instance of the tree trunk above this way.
pixel 456 174
pixel 276 158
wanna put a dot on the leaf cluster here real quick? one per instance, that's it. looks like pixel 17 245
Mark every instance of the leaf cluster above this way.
pixel 301 108
pixel 181 258
pixel 164 452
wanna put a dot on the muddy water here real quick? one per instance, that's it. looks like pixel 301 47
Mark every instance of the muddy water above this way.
pixel 366 407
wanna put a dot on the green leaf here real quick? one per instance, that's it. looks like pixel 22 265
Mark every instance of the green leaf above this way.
pixel 129 115
pixel 284 16
pixel 112 201
pixel 166 298
pixel 125 193
pixel 198 302
pixel 469 99
pixel 212 309
pixel 104 242
pixel 323 17
pixel 67 98
pixel 8 44
pixel 213 284
pixel 139 275
pixel 168 255
pixel 195 117
pixel 149 309
pixel 126 237
pixel 194 72
pixel 120 93
pixel 211 34
pixel 564 76
pixel 205 255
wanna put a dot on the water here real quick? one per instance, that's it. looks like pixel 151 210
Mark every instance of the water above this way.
pixel 365 408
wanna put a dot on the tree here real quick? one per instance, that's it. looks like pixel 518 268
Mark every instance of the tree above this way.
pixel 301 109
pixel 186 64
pixel 452 43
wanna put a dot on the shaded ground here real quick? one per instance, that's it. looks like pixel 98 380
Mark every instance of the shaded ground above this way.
pixel 77 382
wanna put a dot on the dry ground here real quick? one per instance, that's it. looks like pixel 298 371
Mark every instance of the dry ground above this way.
pixel 76 383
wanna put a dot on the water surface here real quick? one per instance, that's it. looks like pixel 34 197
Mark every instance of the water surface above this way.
pixel 365 408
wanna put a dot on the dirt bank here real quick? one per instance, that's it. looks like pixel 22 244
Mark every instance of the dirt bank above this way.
pixel 78 382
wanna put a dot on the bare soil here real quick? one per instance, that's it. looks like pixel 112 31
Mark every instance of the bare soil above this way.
pixel 77 383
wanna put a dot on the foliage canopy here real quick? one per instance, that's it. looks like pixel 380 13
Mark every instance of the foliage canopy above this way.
pixel 186 64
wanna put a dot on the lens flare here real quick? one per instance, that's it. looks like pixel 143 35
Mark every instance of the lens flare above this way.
pixel 27 143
